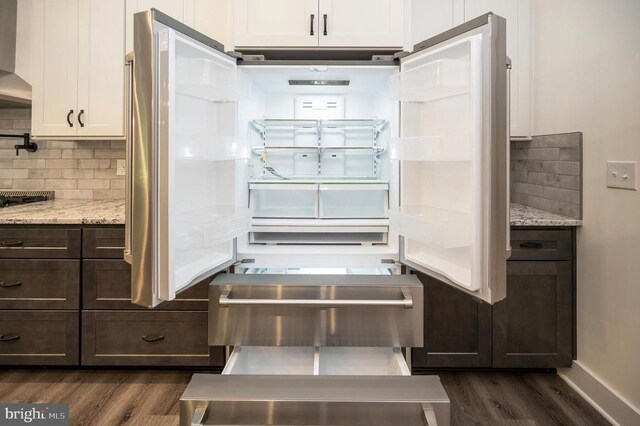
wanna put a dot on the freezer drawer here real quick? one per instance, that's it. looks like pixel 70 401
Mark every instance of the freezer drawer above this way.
pixel 316 310
pixel 314 400
pixel 318 361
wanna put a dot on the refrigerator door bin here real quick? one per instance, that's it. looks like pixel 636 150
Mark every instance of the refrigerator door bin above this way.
pixel 433 226
pixel 369 201
pixel 287 200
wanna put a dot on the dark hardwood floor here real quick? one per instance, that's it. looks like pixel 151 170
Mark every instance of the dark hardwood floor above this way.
pixel 119 397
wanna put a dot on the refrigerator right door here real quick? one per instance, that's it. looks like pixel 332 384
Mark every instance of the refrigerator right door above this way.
pixel 453 149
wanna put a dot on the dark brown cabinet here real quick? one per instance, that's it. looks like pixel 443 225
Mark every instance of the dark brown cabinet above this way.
pixel 25 242
pixel 534 327
pixel 158 338
pixel 457 328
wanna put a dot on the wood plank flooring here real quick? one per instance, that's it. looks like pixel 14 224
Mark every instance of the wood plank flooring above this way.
pixel 146 397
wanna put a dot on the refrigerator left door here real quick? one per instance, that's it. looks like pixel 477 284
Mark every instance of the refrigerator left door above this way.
pixel 185 159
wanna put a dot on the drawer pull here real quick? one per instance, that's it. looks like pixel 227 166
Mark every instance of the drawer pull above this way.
pixel 11 243
pixel 9 337
pixel 406 302
pixel 153 338
pixel 531 245
pixel 10 283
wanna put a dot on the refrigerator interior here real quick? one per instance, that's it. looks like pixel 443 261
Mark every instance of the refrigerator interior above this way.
pixel 319 176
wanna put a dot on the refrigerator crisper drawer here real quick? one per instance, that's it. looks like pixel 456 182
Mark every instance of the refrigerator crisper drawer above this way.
pixel 316 310
pixel 314 400
pixel 284 200
pixel 318 361
pixel 370 201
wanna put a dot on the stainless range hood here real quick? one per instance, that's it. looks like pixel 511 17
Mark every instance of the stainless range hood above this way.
pixel 15 91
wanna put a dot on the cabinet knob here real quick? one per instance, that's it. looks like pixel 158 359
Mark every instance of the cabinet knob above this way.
pixel 5 284
pixel 531 245
pixel 312 18
pixel 325 23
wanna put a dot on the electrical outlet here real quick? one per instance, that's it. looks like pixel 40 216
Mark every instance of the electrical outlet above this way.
pixel 621 174
pixel 121 168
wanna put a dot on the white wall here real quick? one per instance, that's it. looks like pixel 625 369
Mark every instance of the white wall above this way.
pixel 587 78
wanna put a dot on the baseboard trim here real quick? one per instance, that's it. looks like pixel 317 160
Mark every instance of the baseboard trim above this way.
pixel 616 409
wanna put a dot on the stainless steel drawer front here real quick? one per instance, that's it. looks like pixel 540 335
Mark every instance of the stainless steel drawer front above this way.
pixel 316 310
pixel 317 400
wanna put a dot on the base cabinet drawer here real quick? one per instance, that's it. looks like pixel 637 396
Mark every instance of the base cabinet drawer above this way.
pixel 106 243
pixel 39 337
pixel 541 244
pixel 106 284
pixel 146 338
pixel 39 284
pixel 25 242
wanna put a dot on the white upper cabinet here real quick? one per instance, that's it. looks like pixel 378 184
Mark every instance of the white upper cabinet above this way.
pixel 101 69
pixel 518 14
pixel 173 8
pixel 276 23
pixel 55 67
pixel 361 23
pixel 318 23
pixel 432 17
pixel 78 69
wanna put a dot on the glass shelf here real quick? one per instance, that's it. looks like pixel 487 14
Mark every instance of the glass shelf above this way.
pixel 376 125
pixel 433 226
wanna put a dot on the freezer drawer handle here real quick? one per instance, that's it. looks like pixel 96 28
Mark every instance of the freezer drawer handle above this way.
pixel 5 284
pixel 406 302
pixel 9 337
pixel 199 415
pixel 429 415
pixel 153 338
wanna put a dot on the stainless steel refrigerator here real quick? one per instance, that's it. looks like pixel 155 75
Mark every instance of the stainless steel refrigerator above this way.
pixel 342 176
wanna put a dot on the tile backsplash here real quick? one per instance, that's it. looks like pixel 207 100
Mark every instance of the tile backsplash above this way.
pixel 81 170
pixel 546 173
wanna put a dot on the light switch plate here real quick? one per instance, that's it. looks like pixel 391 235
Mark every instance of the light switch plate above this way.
pixel 121 168
pixel 621 174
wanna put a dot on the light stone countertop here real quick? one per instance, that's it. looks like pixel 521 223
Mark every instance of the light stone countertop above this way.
pixel 111 212
pixel 529 216
pixel 65 212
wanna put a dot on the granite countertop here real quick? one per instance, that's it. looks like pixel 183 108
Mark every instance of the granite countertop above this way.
pixel 529 216
pixel 65 212
pixel 111 212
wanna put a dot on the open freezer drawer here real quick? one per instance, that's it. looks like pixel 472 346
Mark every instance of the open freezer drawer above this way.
pixel 314 400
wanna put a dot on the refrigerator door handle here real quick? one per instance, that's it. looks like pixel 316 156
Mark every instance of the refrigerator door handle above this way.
pixel 406 302
pixel 129 160
pixel 508 153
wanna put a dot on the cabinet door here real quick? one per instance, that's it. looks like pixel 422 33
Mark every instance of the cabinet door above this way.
pixel 532 328
pixel 101 69
pixel 432 17
pixel 173 8
pixel 457 329
pixel 276 23
pixel 518 14
pixel 55 62
pixel 360 23
pixel 210 17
